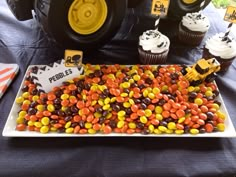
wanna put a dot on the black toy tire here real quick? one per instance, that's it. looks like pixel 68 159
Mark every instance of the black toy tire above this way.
pixel 52 16
pixel 195 83
pixel 210 78
pixel 183 70
pixel 21 9
pixel 178 8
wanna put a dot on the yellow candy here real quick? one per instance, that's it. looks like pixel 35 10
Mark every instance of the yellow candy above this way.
pixel 221 127
pixel 198 101
pixel 143 119
pixel 158 109
pixel 26 95
pixel 107 100
pixel 126 104
pixel 148 112
pixel 151 128
pixel 121 113
pixel 106 107
pixel 168 131
pixel 120 124
pixel 181 120
pixel 30 123
pixel 69 130
pixel 132 125
pixel 64 96
pixel 22 113
pixel 91 131
pixel 88 125
pixel 40 107
pixel 162 128
pixel 131 93
pixel 44 129
pixel 151 95
pixel 157 131
pixel 171 126
pixel 124 94
pixel 126 85
pixel 113 99
pixel 155 90
pixel 38 124
pixel 20 120
pixel 35 97
pixel 145 93
pixel 45 120
pixel 159 117
pixel 131 101
pixel 136 77
pixel 194 131
pixel 179 132
pixel 68 124
pixel 19 100
pixel 51 108
pixel 26 102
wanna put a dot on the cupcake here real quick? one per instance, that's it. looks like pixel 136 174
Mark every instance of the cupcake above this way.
pixel 193 28
pixel 153 47
pixel 222 48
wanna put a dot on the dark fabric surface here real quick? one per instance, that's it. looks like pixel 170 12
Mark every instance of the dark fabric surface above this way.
pixel 24 43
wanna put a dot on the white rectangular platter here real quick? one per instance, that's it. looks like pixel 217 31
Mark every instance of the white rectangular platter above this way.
pixel 9 128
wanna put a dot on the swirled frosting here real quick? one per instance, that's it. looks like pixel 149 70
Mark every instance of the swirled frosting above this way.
pixel 221 46
pixel 154 41
pixel 196 22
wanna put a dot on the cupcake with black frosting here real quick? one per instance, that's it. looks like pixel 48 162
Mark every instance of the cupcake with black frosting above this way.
pixel 153 47
pixel 221 47
pixel 193 28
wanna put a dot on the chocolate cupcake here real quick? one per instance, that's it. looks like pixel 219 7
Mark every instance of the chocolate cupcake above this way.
pixel 193 28
pixel 221 47
pixel 153 47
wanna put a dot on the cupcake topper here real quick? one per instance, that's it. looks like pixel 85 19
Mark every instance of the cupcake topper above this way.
pixel 201 6
pixel 230 16
pixel 159 8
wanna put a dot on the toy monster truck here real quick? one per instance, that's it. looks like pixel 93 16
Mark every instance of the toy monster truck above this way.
pixel 87 23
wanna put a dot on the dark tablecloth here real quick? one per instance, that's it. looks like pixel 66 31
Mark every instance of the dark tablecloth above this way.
pixel 24 43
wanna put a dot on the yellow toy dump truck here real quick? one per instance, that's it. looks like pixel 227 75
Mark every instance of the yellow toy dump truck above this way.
pixel 202 70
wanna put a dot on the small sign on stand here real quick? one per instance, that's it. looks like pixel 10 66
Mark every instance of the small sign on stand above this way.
pixel 55 74
pixel 160 7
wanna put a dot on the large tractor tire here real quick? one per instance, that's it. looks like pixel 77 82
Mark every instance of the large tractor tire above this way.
pixel 80 24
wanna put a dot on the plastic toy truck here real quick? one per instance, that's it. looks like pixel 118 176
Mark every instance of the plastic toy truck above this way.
pixel 202 70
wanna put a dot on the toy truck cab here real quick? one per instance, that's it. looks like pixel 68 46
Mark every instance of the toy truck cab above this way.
pixel 203 70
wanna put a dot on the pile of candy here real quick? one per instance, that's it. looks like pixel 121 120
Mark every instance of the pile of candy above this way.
pixel 122 99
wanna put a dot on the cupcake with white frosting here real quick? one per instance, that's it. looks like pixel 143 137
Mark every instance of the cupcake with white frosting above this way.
pixel 193 28
pixel 221 47
pixel 153 47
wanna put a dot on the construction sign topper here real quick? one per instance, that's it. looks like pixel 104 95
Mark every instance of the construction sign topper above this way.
pixel 73 58
pixel 160 7
pixel 230 14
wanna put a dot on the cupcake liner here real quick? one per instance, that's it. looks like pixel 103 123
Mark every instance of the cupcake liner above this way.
pixel 152 58
pixel 224 63
pixel 189 37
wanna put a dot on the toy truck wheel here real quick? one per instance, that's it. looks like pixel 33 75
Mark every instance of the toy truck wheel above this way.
pixel 179 8
pixel 211 77
pixel 80 24
pixel 195 83
pixel 183 70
